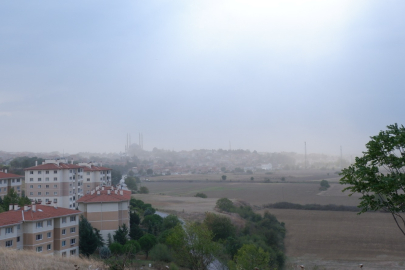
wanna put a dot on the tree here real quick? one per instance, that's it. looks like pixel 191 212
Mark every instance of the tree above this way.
pixel 225 204
pixel 379 175
pixel 224 177
pixel 135 232
pixel 134 219
pixel 149 172
pixel 324 185
pixel 10 199
pixel 250 257
pixel 169 222
pixel 153 223
pixel 130 181
pixel 116 176
pixel 100 239
pixel 252 178
pixel 88 241
pixel 121 234
pixel 220 226
pixel 193 245
pixel 147 242
pixel 144 190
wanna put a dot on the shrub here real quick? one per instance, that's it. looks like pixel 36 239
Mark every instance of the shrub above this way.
pixel 116 248
pixel 201 195
pixel 161 252
pixel 225 204
pixel 104 252
pixel 144 190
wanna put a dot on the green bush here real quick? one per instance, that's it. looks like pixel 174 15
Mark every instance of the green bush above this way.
pixel 201 195
pixel 225 204
pixel 104 252
pixel 161 252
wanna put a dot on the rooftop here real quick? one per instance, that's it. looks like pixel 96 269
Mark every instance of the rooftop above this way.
pixel 105 197
pixel 42 212
pixel 53 166
pixel 4 175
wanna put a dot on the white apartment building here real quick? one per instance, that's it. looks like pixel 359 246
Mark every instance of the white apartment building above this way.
pixel 55 181
pixel 8 181
pixel 94 175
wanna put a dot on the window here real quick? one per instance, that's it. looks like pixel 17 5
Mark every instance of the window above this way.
pixel 31 186
pixel 18 226
pixel 47 179
pixel 73 229
pixel 5 189
pixel 48 247
pixel 88 173
pixel 46 172
pixel 55 200
pixel 88 179
pixel 63 231
pixel 55 186
pixel 9 243
pixel 73 241
pixel 39 186
pixel 49 223
pixel 39 193
pixel 64 220
pixel 70 171
pixel 55 179
pixel 39 249
pixel 31 172
pixel 9 230
pixel 49 235
pixel 72 218
pixel 31 179
pixel 46 186
pixel 18 239
pixel 73 252
pixel 31 193
pixel 39 224
pixel 39 179
pixel 38 237
pixel 18 188
pixel 88 185
pixel 47 193
pixel 55 193
pixel 70 192
pixel 18 180
pixel 39 172
pixel 63 243
pixel 70 178
pixel 55 172
pixel 63 254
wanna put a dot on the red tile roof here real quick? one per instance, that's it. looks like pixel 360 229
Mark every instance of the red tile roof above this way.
pixel 104 197
pixel 53 166
pixel 4 175
pixel 95 168
pixel 42 212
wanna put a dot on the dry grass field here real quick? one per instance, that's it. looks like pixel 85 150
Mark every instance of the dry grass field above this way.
pixel 22 259
pixel 256 193
pixel 337 239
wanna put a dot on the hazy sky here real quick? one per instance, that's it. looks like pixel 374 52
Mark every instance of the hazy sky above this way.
pixel 265 75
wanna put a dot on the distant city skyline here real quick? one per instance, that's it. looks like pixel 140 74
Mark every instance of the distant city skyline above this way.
pixel 264 75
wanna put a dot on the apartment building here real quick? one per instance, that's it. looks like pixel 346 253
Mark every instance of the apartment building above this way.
pixel 8 181
pixel 43 228
pixel 106 208
pixel 55 181
pixel 94 175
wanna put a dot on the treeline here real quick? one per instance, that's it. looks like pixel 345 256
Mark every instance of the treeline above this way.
pixel 216 240
pixel 328 207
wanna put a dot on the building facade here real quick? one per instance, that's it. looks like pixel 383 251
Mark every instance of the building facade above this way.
pixel 8 181
pixel 43 228
pixel 106 209
pixel 55 181
pixel 95 175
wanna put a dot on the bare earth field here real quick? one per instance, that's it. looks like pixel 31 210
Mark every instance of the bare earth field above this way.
pixel 256 193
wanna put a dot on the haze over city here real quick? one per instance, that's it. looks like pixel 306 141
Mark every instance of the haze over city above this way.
pixel 262 75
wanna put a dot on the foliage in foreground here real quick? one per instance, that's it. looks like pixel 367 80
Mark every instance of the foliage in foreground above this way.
pixel 379 175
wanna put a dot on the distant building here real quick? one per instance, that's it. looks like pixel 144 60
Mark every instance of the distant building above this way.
pixel 45 229
pixel 8 181
pixel 95 175
pixel 55 181
pixel 267 167
pixel 106 208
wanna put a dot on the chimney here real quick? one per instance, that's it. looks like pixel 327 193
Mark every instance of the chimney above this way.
pixel 108 192
pixel 10 207
pixel 98 192
pixel 102 188
pixel 72 161
pixel 25 207
pixel 116 192
pixel 55 205
pixel 121 192
pixel 5 170
pixel 34 207
pixel 16 207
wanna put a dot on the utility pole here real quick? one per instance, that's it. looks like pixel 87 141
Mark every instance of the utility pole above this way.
pixel 305 143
